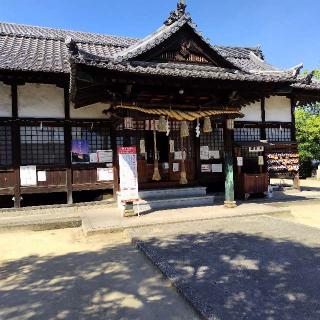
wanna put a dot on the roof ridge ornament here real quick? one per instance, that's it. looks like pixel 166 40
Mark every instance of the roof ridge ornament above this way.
pixel 71 44
pixel 177 14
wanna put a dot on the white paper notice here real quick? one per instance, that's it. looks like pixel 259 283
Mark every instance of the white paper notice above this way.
pixel 216 154
pixel 142 146
pixel 239 161
pixel 42 176
pixel 204 153
pixel 171 144
pixel 175 167
pixel 165 165
pixel 104 156
pixel 205 168
pixel 28 176
pixel 178 155
pixel 93 158
pixel 260 160
pixel 105 174
pixel 217 167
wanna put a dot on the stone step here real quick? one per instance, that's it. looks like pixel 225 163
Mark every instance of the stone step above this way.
pixel 146 205
pixel 173 193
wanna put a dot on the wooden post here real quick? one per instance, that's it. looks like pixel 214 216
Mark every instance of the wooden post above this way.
pixel 67 145
pixel 228 161
pixel 263 135
pixel 113 133
pixel 296 182
pixel 16 146
pixel 293 119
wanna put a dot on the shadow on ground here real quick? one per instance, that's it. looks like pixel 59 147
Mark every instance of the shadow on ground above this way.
pixel 109 284
pixel 241 276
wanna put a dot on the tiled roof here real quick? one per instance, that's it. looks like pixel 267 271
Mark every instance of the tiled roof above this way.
pixel 20 30
pixel 311 84
pixel 30 48
pixel 182 70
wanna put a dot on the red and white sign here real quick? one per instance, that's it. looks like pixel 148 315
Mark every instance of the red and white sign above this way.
pixel 128 173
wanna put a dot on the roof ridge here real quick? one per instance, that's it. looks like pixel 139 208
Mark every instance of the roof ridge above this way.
pixel 62 38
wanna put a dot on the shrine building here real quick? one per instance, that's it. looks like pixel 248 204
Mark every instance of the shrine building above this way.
pixel 199 115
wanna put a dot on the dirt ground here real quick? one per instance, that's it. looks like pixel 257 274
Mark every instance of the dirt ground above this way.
pixel 62 275
pixel 305 212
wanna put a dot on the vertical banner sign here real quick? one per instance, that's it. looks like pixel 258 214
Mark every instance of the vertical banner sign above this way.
pixel 128 173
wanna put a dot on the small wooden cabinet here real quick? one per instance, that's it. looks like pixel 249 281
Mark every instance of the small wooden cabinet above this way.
pixel 249 184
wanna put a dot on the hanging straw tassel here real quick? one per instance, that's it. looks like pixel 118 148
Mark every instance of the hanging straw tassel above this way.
pixel 207 127
pixel 156 174
pixel 183 173
pixel 184 130
pixel 162 127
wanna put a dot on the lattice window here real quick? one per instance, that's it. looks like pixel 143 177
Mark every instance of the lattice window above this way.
pixel 98 137
pixel 250 160
pixel 120 135
pixel 213 139
pixel 5 146
pixel 42 145
pixel 175 135
pixel 137 134
pixel 246 134
pixel 278 134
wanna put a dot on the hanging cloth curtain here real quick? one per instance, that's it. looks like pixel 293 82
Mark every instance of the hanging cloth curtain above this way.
pixel 156 174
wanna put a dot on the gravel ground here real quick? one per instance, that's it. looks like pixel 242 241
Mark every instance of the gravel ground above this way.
pixel 240 268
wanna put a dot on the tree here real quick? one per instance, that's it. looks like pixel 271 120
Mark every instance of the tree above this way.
pixel 308 134
pixel 308 129
pixel 317 74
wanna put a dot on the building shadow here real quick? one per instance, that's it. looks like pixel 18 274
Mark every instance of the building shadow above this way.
pixel 109 284
pixel 240 276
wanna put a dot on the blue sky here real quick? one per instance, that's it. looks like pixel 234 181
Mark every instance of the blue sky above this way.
pixel 287 30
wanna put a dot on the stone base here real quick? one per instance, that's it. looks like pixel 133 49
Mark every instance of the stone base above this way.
pixel 128 210
pixel 230 204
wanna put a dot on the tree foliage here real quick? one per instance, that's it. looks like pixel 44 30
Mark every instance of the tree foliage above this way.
pixel 308 134
pixel 308 129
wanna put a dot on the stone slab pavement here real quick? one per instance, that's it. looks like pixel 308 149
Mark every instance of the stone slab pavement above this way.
pixel 107 219
pixel 110 220
pixel 244 268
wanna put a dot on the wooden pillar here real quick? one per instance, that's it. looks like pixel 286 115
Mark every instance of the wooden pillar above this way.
pixel 293 119
pixel 296 179
pixel 113 133
pixel 196 142
pixel 16 146
pixel 67 145
pixel 228 163
pixel 263 135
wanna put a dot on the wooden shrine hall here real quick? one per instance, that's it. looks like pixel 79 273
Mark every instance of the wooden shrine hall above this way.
pixel 197 114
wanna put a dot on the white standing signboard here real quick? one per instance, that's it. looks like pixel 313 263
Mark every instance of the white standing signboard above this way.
pixel 128 173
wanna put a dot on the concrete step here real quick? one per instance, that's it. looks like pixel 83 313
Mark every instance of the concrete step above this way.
pixel 146 205
pixel 39 222
pixel 173 193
